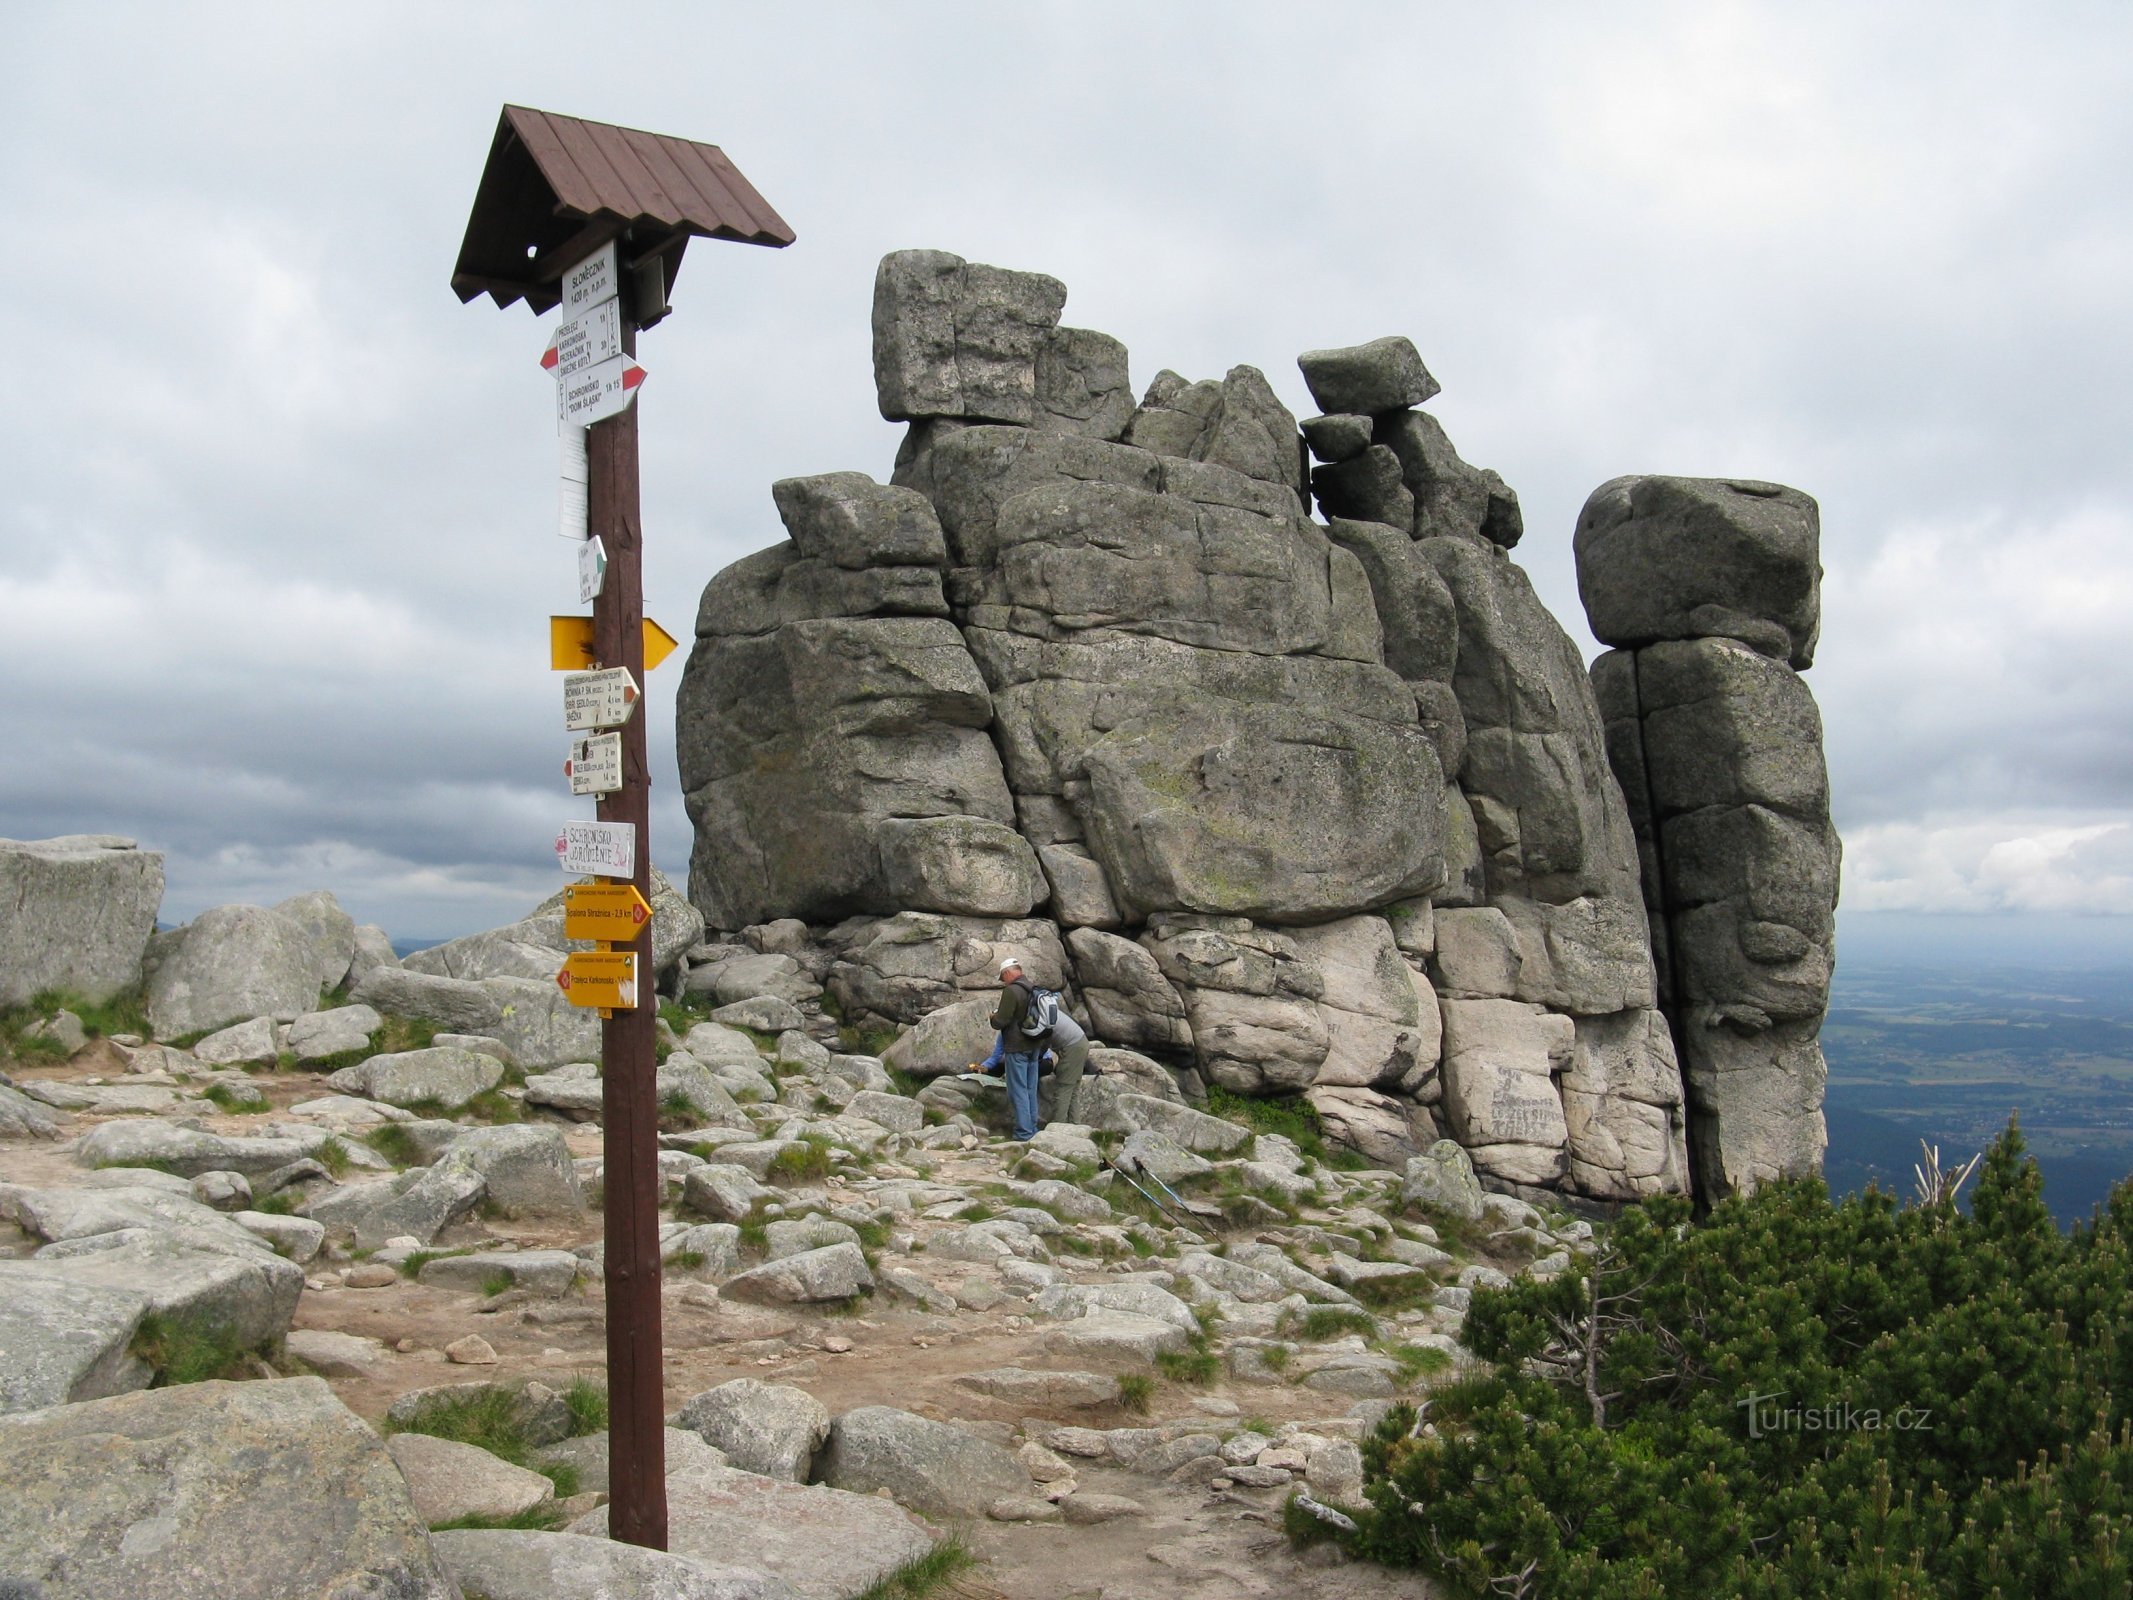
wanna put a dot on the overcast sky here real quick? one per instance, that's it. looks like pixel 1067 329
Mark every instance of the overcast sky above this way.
pixel 277 510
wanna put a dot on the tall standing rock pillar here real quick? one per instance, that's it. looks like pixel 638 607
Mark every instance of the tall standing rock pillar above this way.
pixel 1710 591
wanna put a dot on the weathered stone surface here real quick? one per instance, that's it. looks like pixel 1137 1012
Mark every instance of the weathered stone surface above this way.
pixel 1022 1387
pixel 318 1034
pixel 824 1543
pixel 1499 1093
pixel 149 1142
pixel 952 1039
pixel 530 1017
pixel 1383 375
pixel 1116 1339
pixel 241 1299
pixel 956 339
pixel 1416 617
pixel 1161 1156
pixel 443 1077
pixel 1623 1107
pixel 63 1340
pixel 1082 384
pixel 519 1564
pixel 210 1491
pixel 1337 437
pixel 849 520
pixel 448 1480
pixel 1384 1129
pixel 724 1193
pixel 75 915
pixel 1365 489
pixel 834 1272
pixel 928 1466
pixel 769 1428
pixel 231 964
pixel 544 1274
pixel 1699 558
pixel 1130 1002
pixel 332 932
pixel 526 1168
pixel 1379 1014
pixel 22 1117
pixel 420 1204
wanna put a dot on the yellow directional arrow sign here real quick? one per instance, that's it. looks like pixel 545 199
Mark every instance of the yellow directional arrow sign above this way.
pixel 604 978
pixel 604 911
pixel 570 644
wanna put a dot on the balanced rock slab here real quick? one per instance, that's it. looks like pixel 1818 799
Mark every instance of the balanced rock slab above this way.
pixel 79 912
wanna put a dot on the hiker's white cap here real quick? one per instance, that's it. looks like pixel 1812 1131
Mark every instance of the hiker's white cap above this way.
pixel 1010 962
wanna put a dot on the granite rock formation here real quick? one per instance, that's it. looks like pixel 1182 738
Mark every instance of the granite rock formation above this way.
pixel 1709 590
pixel 1293 806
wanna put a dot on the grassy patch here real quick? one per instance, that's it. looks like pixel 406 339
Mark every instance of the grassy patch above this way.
pixel 1198 1365
pixel 496 1283
pixel 333 1156
pixel 402 1033
pixel 918 1578
pixel 538 1519
pixel 413 1265
pixel 181 1353
pixel 978 1212
pixel 281 1203
pixel 1289 1115
pixel 686 1260
pixel 1419 1361
pixel 807 1160
pixel 395 1144
pixel 228 1099
pixel 588 1408
pixel 488 1419
pixel 1275 1358
pixel 1330 1322
pixel 1135 1391
pixel 493 1105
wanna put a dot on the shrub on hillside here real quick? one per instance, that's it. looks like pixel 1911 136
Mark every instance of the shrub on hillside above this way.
pixel 1791 1398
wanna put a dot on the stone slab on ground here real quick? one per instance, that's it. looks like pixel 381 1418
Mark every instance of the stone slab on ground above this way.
pixel 518 1564
pixel 211 1491
pixel 63 1340
pixel 927 1465
pixel 449 1480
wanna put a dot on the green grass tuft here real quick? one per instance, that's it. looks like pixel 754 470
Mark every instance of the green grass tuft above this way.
pixel 395 1144
pixel 493 1105
pixel 809 1159
pixel 333 1156
pixel 1289 1115
pixel 282 1203
pixel 1135 1391
pixel 1330 1322
pixel 588 1408
pixel 537 1519
pixel 496 1283
pixel 918 1578
pixel 1419 1361
pixel 183 1353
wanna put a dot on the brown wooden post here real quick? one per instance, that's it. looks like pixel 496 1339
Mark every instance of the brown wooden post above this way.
pixel 629 1095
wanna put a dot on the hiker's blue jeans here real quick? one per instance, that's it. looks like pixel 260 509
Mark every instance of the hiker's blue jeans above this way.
pixel 1022 1067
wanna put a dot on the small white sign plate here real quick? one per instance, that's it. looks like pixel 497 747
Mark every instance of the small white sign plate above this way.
pixel 598 392
pixel 578 342
pixel 597 849
pixel 592 570
pixel 603 699
pixel 575 475
pixel 592 280
pixel 595 764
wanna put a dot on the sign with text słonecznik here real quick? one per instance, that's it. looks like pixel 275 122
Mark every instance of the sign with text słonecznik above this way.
pixel 604 978
pixel 597 849
pixel 585 340
pixel 591 281
pixel 595 764
pixel 599 392
pixel 604 699
pixel 613 911
pixel 592 570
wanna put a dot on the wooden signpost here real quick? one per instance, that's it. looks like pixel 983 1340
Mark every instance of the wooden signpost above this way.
pixel 595 218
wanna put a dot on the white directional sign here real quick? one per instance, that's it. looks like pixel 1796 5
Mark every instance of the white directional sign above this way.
pixel 598 392
pixel 592 570
pixel 604 699
pixel 592 280
pixel 573 486
pixel 595 764
pixel 579 342
pixel 597 849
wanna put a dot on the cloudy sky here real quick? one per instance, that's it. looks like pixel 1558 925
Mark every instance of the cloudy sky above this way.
pixel 277 510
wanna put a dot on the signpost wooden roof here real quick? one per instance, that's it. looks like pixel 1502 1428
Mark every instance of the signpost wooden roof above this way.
pixel 556 188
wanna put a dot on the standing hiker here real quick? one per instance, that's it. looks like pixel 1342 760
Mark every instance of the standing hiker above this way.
pixel 1025 1018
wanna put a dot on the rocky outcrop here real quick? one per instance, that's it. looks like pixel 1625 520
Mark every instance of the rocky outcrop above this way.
pixel 75 915
pixel 1292 806
pixel 234 963
pixel 1709 589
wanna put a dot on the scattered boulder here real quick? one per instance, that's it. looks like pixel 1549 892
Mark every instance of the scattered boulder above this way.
pixel 834 1272
pixel 928 1466
pixel 517 1564
pixel 231 964
pixel 1365 379
pixel 768 1428
pixel 64 1340
pixel 208 1491
pixel 449 1481
pixel 447 1078
pixel 80 912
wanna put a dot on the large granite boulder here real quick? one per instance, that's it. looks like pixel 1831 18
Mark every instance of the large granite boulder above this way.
pixel 521 1564
pixel 62 1339
pixel 79 912
pixel 928 1466
pixel 769 1428
pixel 231 964
pixel 1702 558
pixel 210 1491
pixel 953 338
pixel 1365 379
pixel 1717 745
